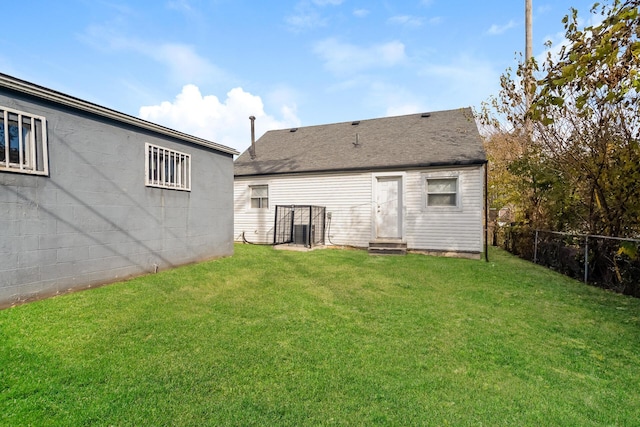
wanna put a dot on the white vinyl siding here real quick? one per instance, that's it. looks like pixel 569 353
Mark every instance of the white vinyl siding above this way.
pixel 446 228
pixel 349 199
pixel 349 203
pixel 23 142
pixel 167 168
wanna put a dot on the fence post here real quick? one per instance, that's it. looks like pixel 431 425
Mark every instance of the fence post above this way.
pixel 293 213
pixel 309 229
pixel 535 249
pixel 586 259
pixel 275 228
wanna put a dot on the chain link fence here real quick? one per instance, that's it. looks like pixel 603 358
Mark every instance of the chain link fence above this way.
pixel 607 262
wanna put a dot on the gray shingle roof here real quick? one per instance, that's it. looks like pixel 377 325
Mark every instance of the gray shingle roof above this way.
pixel 412 141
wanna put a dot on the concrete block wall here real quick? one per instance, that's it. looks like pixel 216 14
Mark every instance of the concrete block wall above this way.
pixel 93 220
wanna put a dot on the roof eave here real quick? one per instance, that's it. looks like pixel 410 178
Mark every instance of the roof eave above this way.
pixel 69 101
pixel 463 163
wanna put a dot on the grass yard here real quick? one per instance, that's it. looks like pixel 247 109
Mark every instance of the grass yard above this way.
pixel 331 337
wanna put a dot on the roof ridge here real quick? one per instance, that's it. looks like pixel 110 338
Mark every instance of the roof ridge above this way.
pixel 374 119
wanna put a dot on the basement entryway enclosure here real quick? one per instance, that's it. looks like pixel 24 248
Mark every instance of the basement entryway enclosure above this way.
pixel 299 225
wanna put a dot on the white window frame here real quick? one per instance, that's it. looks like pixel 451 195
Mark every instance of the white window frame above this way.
pixel 440 176
pixel 167 168
pixel 32 140
pixel 260 199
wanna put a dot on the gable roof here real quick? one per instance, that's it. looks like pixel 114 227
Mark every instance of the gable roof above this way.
pixel 59 98
pixel 440 138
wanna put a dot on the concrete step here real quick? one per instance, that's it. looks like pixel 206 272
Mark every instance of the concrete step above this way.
pixel 387 247
pixel 377 251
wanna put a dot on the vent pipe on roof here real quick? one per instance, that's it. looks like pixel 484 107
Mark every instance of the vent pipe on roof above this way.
pixel 252 149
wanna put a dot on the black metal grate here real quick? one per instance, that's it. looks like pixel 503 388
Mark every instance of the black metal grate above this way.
pixel 300 225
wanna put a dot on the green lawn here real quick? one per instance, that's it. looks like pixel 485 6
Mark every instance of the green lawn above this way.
pixel 331 337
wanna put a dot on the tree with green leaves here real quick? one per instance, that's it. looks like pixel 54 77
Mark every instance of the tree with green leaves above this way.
pixel 577 163
pixel 587 117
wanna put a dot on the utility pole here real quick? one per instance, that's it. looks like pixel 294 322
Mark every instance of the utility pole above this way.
pixel 529 30
pixel 528 77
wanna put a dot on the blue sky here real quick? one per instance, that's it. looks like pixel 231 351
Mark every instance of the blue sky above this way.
pixel 204 66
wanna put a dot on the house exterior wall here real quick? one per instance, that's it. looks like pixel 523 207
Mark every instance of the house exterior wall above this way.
pixel 349 204
pixel 446 229
pixel 349 197
pixel 93 220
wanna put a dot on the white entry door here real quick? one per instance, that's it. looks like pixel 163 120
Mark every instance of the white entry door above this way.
pixel 388 207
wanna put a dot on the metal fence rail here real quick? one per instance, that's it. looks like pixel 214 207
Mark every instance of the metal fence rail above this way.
pixel 608 262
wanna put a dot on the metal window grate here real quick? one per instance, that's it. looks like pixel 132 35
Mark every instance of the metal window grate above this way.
pixel 167 168
pixel 299 225
pixel 23 142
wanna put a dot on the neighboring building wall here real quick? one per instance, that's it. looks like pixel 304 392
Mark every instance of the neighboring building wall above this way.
pixel 93 220
pixel 348 197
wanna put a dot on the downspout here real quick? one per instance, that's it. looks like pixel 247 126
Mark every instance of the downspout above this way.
pixel 486 211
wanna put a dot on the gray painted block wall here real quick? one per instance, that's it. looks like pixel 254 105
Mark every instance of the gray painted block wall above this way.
pixel 93 220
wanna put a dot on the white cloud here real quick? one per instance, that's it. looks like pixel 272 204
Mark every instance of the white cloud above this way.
pixel 305 19
pixel 380 95
pixel 105 38
pixel 406 20
pixel 500 29
pixel 355 83
pixel 328 2
pixel 225 122
pixel 182 60
pixel 184 63
pixel 306 15
pixel 543 9
pixel 180 5
pixel 402 109
pixel 558 41
pixel 281 95
pixel 360 13
pixel 396 100
pixel 462 82
pixel 463 78
pixel 344 58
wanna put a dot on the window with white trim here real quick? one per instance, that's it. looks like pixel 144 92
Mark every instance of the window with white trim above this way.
pixel 442 191
pixel 259 196
pixel 167 168
pixel 23 142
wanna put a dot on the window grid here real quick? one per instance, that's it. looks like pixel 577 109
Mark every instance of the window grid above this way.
pixel 167 168
pixel 23 142
pixel 259 196
pixel 442 192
